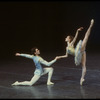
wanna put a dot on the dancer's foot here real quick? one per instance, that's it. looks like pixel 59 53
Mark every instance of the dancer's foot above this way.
pixel 50 83
pixel 92 22
pixel 81 81
pixel 16 83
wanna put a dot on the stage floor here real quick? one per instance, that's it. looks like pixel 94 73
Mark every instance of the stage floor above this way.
pixel 66 77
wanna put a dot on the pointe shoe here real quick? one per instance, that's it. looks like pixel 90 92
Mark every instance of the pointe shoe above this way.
pixel 50 83
pixel 16 83
pixel 81 81
pixel 92 21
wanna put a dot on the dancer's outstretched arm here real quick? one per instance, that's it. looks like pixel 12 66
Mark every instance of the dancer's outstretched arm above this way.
pixel 72 43
pixel 44 62
pixel 24 55
pixel 64 56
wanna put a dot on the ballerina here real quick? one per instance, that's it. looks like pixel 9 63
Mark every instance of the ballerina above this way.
pixel 80 51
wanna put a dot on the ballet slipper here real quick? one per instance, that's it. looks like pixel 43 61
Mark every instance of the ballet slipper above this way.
pixel 81 81
pixel 50 83
pixel 16 83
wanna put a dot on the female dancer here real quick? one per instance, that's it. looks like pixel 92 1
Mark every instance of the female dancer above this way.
pixel 79 52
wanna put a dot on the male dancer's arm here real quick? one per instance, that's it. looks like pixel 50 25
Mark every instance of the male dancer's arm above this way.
pixel 24 55
pixel 44 62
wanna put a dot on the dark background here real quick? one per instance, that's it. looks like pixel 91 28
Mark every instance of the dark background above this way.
pixel 45 25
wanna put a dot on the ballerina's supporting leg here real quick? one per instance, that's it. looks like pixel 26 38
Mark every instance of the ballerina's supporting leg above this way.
pixel 83 68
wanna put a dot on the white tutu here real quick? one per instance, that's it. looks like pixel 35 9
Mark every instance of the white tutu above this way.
pixel 78 53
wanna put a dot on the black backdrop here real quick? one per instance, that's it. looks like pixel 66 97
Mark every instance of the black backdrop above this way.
pixel 45 25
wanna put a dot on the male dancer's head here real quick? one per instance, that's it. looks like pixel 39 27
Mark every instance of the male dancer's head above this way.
pixel 35 51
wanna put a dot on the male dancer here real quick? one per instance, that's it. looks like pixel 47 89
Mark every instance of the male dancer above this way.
pixel 39 71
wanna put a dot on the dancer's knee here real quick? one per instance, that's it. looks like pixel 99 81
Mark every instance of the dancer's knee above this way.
pixel 30 83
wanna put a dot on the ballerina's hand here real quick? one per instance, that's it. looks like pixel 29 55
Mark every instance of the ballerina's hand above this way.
pixel 58 57
pixel 80 28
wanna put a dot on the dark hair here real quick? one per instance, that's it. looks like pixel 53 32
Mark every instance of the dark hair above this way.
pixel 33 50
pixel 71 38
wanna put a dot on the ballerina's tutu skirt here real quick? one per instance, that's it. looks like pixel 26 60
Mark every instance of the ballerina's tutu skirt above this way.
pixel 78 53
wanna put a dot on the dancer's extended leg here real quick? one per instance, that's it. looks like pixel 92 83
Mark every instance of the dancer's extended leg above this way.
pixel 87 36
pixel 30 83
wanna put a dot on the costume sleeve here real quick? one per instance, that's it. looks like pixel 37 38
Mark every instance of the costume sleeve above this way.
pixel 44 62
pixel 27 55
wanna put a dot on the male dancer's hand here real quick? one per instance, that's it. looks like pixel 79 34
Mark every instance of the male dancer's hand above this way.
pixel 17 54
